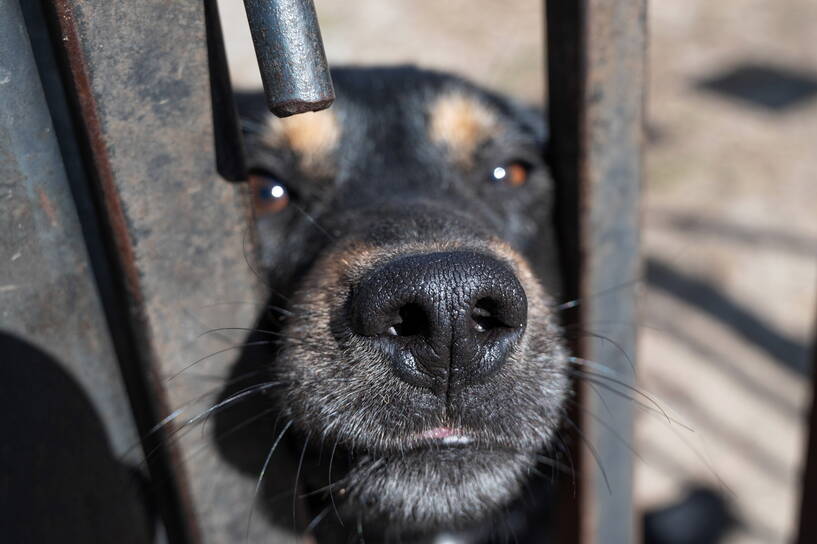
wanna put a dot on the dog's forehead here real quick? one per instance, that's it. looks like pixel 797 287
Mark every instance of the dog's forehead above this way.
pixel 401 114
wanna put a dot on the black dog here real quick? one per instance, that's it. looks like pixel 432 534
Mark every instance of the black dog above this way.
pixel 406 234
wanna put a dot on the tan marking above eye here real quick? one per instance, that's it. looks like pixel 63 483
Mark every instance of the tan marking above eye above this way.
pixel 461 122
pixel 312 136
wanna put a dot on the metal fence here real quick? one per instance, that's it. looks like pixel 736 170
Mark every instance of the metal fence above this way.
pixel 116 222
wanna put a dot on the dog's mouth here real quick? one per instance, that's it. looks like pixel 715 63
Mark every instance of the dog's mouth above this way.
pixel 441 437
pixel 447 436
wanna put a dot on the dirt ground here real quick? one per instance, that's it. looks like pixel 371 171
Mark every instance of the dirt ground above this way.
pixel 730 218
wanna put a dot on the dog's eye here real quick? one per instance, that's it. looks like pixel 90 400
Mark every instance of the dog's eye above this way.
pixel 269 195
pixel 513 173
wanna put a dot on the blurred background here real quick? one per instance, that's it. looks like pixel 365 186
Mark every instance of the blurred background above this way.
pixel 729 213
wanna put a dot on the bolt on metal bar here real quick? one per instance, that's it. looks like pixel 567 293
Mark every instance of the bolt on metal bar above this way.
pixel 290 55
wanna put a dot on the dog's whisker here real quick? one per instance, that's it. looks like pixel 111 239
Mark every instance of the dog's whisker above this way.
pixel 316 520
pixel 245 329
pixel 610 428
pixel 226 434
pixel 593 452
pixel 295 485
pixel 244 393
pixel 614 343
pixel 331 494
pixel 579 361
pixel 261 477
pixel 219 352
pixel 314 222
pixel 623 285
pixel 264 281
pixel 170 418
pixel 586 374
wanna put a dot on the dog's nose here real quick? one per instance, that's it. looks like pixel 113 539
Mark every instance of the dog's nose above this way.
pixel 446 320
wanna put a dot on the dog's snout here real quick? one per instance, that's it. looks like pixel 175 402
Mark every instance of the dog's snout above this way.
pixel 446 320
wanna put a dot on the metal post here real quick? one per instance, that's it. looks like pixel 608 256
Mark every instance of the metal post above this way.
pixel 47 292
pixel 178 233
pixel 596 74
pixel 57 352
pixel 290 55
pixel 808 506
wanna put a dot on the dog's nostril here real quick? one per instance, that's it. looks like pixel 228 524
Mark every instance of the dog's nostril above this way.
pixel 485 316
pixel 411 321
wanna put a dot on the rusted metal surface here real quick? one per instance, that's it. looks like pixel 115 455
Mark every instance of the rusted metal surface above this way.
pixel 290 54
pixel 139 75
pixel 596 55
pixel 808 506
pixel 68 435
pixel 47 292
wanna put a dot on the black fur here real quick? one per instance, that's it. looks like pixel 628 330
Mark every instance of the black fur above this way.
pixel 387 191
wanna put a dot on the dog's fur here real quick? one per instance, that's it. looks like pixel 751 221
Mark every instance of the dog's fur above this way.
pixel 401 165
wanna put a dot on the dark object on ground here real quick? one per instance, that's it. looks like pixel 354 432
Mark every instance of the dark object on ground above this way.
pixel 702 517
pixel 766 87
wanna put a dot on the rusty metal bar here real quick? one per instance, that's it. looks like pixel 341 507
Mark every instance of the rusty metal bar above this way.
pixel 138 75
pixel 596 76
pixel 47 291
pixel 57 351
pixel 290 54
pixel 134 350
pixel 807 533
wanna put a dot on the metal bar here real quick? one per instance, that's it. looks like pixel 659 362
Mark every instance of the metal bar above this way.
pixel 47 293
pixel 57 353
pixel 168 482
pixel 807 533
pixel 231 160
pixel 139 76
pixel 290 54
pixel 596 56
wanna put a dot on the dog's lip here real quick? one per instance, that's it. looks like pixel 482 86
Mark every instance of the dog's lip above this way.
pixel 447 436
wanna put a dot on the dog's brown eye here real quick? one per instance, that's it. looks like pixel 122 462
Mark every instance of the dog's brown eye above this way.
pixel 269 195
pixel 513 173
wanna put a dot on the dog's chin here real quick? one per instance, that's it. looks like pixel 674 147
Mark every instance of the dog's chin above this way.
pixel 439 486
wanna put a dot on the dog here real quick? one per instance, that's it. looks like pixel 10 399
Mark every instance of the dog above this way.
pixel 411 334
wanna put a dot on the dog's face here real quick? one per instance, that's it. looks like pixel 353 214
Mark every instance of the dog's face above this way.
pixel 407 235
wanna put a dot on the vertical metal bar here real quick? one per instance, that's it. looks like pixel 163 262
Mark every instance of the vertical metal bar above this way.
pixel 47 292
pixel 130 333
pixel 57 350
pixel 565 85
pixel 138 73
pixel 231 160
pixel 290 55
pixel 596 75
pixel 807 533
